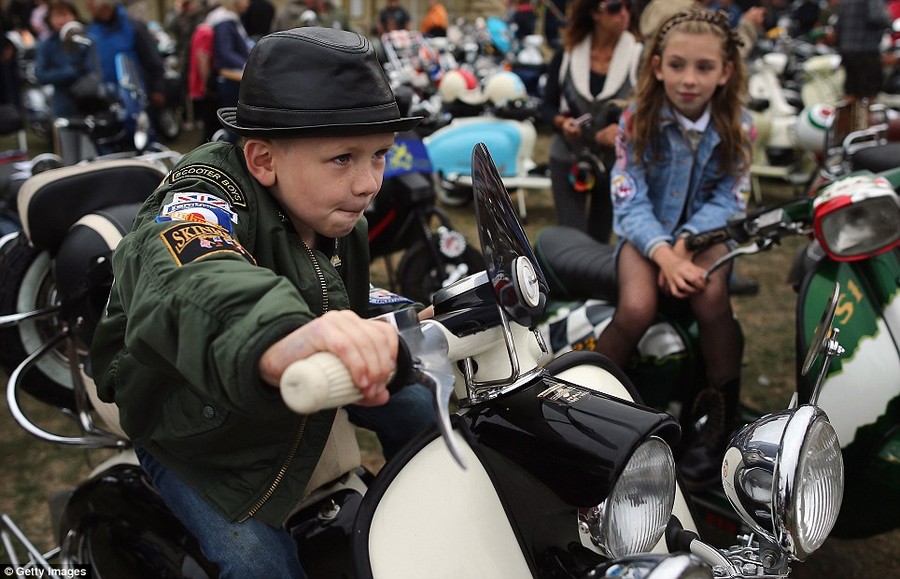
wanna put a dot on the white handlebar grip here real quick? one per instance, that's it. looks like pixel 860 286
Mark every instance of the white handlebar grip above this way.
pixel 318 382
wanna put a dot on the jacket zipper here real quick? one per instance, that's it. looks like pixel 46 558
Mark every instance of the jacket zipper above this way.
pixel 296 442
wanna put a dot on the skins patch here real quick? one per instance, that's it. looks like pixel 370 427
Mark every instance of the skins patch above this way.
pixel 382 297
pixel 189 242
pixel 213 175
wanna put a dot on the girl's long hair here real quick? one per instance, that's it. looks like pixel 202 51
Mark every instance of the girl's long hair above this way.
pixel 727 101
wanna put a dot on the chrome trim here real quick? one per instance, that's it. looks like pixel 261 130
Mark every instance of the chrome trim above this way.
pixel 461 286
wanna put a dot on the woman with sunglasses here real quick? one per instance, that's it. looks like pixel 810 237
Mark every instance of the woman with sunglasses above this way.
pixel 589 79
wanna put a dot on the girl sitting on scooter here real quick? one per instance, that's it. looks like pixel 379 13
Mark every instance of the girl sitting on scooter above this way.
pixel 682 166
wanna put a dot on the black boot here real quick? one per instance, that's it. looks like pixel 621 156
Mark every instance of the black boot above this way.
pixel 713 420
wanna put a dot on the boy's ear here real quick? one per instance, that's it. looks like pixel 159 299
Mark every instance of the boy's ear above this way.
pixel 260 161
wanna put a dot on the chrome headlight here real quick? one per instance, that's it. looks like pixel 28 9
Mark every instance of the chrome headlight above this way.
pixel 857 217
pixel 784 475
pixel 633 517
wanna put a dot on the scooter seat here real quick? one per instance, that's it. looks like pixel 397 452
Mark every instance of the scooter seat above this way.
pixel 51 202
pixel 877 159
pixel 576 265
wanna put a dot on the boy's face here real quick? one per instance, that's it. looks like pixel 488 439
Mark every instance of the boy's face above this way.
pixel 326 183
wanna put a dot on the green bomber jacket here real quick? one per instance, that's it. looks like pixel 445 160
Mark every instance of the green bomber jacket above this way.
pixel 210 276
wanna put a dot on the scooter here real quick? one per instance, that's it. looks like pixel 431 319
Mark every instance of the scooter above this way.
pixel 400 220
pixel 547 470
pixel 853 221
pixel 505 123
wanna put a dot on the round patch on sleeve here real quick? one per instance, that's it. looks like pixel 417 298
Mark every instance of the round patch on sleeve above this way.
pixel 622 188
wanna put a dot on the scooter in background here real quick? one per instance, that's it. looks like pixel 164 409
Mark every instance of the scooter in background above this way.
pixel 505 125
pixel 400 220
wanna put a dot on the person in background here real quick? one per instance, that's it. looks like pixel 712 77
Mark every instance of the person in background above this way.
pixel 231 48
pixel 859 29
pixel 523 18
pixel 436 21
pixel 61 62
pixel 393 17
pixel 555 20
pixel 588 81
pixel 682 167
pixel 114 33
pixel 296 13
pixel 729 7
pixel 258 17
pixel 333 16
pixel 201 87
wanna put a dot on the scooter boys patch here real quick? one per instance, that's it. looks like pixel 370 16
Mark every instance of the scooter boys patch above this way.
pixel 382 297
pixel 189 242
pixel 213 175
pixel 201 208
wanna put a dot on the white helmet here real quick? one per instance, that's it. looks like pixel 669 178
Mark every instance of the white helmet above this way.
pixel 460 85
pixel 505 87
pixel 812 124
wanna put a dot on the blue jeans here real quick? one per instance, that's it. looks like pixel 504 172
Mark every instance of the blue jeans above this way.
pixel 253 548
pixel 409 412
pixel 241 550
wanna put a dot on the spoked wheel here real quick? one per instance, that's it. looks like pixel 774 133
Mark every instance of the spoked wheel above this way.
pixel 27 284
pixel 419 276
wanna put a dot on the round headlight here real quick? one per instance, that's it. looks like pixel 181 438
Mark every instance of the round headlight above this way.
pixel 633 517
pixel 810 490
pixel 784 475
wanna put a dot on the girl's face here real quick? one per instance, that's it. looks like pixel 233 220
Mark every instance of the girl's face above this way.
pixel 691 68
pixel 325 184
pixel 59 18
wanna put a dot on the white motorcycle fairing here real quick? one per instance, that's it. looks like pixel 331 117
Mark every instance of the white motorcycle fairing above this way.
pixel 534 457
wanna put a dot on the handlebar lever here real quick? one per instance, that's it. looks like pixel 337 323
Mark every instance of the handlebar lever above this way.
pixel 756 247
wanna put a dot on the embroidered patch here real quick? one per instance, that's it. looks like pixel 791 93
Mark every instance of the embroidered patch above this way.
pixel 227 184
pixel 199 208
pixel 382 297
pixel 189 242
pixel 622 188
pixel 742 191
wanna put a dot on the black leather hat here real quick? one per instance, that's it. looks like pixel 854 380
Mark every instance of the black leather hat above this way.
pixel 313 81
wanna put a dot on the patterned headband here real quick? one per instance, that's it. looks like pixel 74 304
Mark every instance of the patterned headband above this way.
pixel 715 17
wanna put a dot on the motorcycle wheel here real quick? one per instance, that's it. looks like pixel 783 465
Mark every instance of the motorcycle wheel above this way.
pixel 419 277
pixel 167 124
pixel 27 283
pixel 451 194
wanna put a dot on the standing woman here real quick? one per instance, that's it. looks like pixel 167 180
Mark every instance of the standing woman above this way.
pixel 61 62
pixel 590 78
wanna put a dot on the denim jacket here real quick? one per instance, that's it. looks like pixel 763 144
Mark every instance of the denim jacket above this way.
pixel 672 190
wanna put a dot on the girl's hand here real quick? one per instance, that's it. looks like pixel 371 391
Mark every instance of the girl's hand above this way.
pixel 678 275
pixel 367 347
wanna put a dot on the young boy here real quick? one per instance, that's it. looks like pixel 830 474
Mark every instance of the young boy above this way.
pixel 245 259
